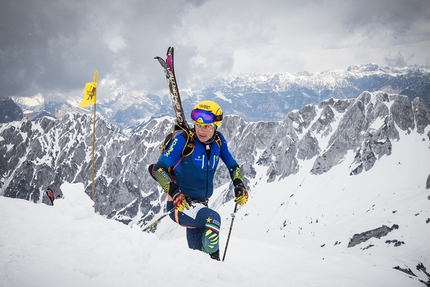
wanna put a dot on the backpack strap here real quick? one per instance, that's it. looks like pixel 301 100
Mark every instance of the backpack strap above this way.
pixel 189 144
pixel 188 135
pixel 218 139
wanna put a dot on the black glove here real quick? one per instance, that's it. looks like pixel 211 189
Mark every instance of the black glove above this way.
pixel 241 193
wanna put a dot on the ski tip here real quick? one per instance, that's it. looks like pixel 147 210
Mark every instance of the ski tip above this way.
pixel 170 51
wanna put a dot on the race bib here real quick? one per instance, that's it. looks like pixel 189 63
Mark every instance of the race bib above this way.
pixel 194 209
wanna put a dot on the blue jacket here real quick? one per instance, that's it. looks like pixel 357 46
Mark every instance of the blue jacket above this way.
pixel 194 174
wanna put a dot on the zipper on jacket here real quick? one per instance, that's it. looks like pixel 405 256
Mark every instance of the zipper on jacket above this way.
pixel 208 153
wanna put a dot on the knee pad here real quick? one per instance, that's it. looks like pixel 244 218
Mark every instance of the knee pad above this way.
pixel 211 236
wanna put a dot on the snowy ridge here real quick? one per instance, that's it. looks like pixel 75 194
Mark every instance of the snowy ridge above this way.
pixel 48 152
pixel 254 97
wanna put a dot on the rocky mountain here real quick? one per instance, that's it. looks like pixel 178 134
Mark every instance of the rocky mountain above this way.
pixel 48 151
pixel 252 97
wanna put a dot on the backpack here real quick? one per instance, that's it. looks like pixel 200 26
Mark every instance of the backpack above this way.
pixel 186 133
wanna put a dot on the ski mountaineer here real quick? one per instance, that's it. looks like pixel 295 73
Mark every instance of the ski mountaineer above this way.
pixel 191 185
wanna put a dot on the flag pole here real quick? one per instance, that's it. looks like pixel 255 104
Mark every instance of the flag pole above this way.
pixel 94 137
pixel 90 98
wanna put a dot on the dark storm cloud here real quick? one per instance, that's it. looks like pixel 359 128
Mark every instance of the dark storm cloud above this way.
pixel 389 20
pixel 57 45
pixel 53 47
pixel 39 46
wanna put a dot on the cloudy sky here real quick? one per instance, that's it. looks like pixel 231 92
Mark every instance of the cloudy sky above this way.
pixel 53 47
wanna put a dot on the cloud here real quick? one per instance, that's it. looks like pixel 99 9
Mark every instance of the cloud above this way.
pixel 53 47
pixel 291 36
pixel 397 61
pixel 57 45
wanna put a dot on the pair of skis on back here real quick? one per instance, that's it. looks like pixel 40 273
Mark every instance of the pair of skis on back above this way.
pixel 177 105
pixel 173 87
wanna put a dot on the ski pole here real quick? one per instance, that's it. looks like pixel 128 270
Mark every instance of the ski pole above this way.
pixel 229 231
pixel 158 220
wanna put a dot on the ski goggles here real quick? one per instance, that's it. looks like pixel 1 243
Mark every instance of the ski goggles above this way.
pixel 205 117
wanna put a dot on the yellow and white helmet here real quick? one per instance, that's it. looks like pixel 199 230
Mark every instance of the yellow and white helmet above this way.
pixel 207 112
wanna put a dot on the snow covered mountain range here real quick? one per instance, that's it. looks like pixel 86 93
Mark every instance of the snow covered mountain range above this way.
pixel 252 97
pixel 52 142
pixel 48 151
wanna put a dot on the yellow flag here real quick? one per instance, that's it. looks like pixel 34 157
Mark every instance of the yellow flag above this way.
pixel 90 93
